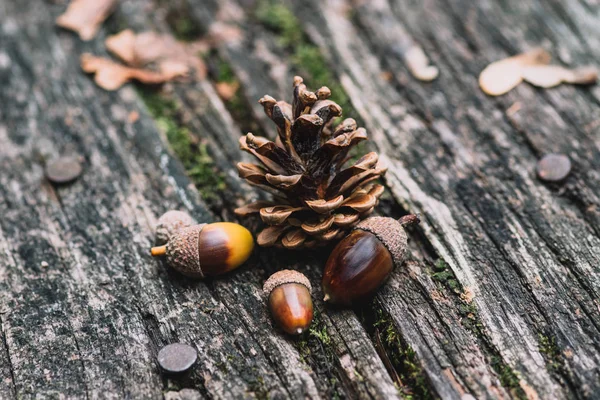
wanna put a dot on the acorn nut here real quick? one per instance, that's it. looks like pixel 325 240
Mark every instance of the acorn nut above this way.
pixel 207 249
pixel 169 223
pixel 364 259
pixel 288 295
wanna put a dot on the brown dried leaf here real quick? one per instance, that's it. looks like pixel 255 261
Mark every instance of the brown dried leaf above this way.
pixel 110 75
pixel 86 16
pixel 547 76
pixel 501 76
pixel 174 58
pixel 418 64
pixel 226 90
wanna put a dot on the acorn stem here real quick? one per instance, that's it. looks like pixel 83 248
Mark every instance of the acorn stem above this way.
pixel 410 219
pixel 158 251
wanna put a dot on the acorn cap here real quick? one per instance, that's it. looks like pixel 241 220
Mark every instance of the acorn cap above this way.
pixel 171 222
pixel 285 276
pixel 182 251
pixel 390 232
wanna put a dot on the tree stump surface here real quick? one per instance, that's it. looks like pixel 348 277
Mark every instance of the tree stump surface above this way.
pixel 500 297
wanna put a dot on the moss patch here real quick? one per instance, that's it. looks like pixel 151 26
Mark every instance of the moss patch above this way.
pixel 192 153
pixel 317 352
pixel 413 380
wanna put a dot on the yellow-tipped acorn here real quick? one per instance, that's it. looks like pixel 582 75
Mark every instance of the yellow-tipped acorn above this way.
pixel 207 249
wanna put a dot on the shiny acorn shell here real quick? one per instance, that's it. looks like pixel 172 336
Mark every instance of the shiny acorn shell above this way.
pixel 207 249
pixel 363 260
pixel 288 294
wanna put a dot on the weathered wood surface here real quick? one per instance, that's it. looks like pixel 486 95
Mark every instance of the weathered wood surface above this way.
pixel 500 298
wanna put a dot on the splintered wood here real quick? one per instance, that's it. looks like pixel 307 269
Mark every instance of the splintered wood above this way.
pixel 502 76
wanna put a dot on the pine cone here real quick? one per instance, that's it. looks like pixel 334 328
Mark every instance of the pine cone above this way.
pixel 314 199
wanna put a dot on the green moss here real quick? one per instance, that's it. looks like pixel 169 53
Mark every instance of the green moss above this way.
pixel 193 154
pixel 316 351
pixel 403 358
pixel 259 389
pixel 445 277
pixel 508 377
pixel 551 352
pixel 305 57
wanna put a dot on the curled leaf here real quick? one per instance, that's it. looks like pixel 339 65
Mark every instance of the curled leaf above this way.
pixel 171 56
pixel 110 75
pixel 547 76
pixel 501 76
pixel 86 16
pixel 418 64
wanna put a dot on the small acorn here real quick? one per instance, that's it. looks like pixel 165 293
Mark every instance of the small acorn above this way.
pixel 207 249
pixel 364 259
pixel 169 223
pixel 288 295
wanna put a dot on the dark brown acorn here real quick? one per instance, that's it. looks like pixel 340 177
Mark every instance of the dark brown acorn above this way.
pixel 207 249
pixel 364 259
pixel 288 295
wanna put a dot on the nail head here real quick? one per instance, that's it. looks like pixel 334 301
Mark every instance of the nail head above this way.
pixel 177 357
pixel 63 170
pixel 553 167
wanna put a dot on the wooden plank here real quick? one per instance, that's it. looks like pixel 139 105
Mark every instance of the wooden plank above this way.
pixel 521 248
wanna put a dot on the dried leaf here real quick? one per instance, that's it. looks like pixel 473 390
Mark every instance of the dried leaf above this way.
pixel 418 64
pixel 547 76
pixel 173 58
pixel 501 76
pixel 227 90
pixel 110 75
pixel 86 16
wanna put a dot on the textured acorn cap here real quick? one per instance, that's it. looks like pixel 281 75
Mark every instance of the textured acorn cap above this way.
pixel 182 251
pixel 390 232
pixel 285 276
pixel 171 222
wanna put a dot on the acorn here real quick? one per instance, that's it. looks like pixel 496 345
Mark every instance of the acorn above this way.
pixel 364 259
pixel 207 249
pixel 288 295
pixel 169 223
